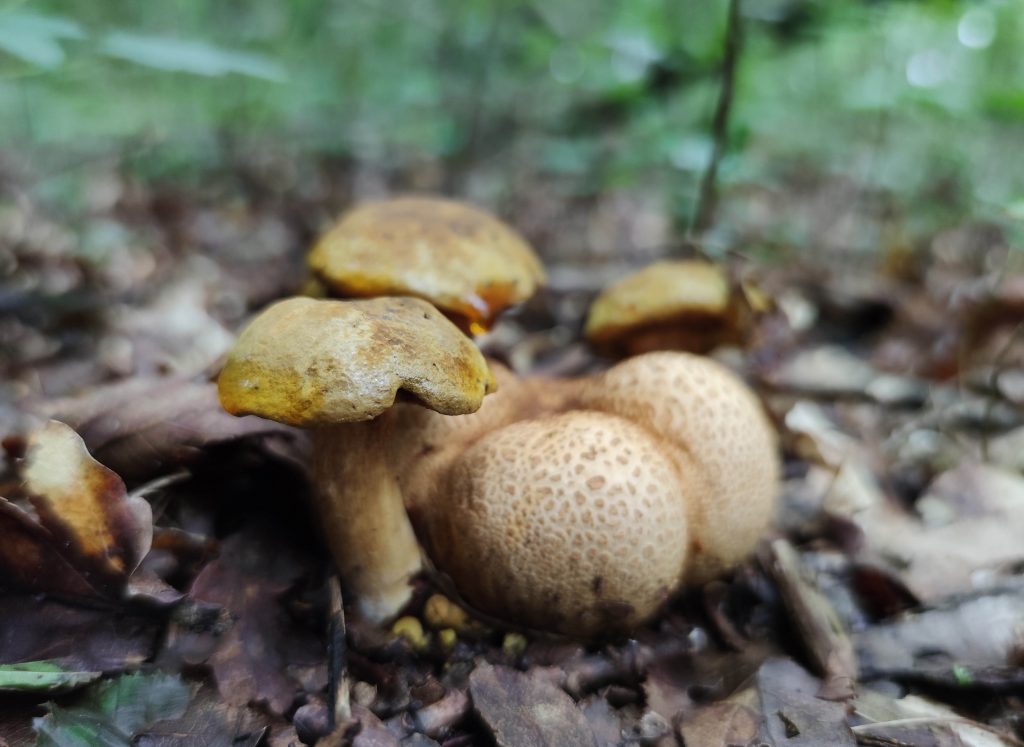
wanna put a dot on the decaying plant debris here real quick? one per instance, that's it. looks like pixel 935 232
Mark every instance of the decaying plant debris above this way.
pixel 885 609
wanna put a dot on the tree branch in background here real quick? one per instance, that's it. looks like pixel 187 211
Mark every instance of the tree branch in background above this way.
pixel 704 214
pixel 474 113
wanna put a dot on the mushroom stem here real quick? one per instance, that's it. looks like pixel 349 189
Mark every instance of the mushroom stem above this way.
pixel 364 517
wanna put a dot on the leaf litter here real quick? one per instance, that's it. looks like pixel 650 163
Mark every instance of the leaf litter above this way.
pixel 885 611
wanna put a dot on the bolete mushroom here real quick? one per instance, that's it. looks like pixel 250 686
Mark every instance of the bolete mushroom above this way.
pixel 580 512
pixel 707 413
pixel 463 260
pixel 425 444
pixel 574 523
pixel 669 305
pixel 337 367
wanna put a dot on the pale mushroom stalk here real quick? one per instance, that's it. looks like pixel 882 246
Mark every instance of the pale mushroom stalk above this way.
pixel 336 368
pixel 364 519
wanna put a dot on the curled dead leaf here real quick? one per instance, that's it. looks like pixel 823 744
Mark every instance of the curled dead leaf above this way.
pixel 99 529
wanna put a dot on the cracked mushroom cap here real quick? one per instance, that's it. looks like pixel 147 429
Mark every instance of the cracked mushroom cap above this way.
pixel 574 523
pixel 717 422
pixel 308 362
pixel 463 260
pixel 674 304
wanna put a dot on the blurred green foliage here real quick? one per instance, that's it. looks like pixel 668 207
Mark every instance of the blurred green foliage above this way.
pixel 900 95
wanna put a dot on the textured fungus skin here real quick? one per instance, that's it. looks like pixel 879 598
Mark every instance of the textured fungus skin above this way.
pixel 574 523
pixel 473 483
pixel 708 414
pixel 309 362
pixel 460 258
pixel 423 445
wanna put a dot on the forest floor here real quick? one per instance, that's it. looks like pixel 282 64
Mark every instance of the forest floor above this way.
pixel 885 608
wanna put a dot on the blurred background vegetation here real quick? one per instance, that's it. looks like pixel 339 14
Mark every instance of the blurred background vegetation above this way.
pixel 921 103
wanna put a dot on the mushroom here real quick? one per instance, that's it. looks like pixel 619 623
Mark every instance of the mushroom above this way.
pixel 574 523
pixel 712 418
pixel 669 305
pixel 425 444
pixel 337 367
pixel 580 512
pixel 463 260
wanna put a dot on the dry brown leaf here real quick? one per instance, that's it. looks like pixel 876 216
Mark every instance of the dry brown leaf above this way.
pixel 934 732
pixel 725 724
pixel 969 530
pixel 30 559
pixel 173 333
pixel 812 435
pixel 208 722
pixel 523 710
pixel 252 658
pixel 372 732
pixel 833 371
pixel 100 530
pixel 146 426
pixel 95 638
pixel 915 720
pixel 795 716
pixel 436 719
pixel 984 631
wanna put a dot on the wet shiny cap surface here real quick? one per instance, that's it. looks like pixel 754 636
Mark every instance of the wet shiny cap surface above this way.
pixel 661 292
pixel 460 258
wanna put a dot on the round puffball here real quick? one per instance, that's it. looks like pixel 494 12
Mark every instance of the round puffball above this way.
pixel 574 523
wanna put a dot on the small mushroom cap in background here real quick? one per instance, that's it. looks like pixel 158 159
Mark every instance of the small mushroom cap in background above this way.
pixel 574 523
pixel 673 304
pixel 308 362
pixel 460 258
pixel 712 417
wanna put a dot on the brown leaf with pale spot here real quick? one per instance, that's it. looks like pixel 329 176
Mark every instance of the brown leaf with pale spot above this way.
pixel 101 531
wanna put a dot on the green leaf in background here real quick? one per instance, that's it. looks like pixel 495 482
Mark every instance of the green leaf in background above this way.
pixel 187 56
pixel 35 38
pixel 114 712
pixel 42 676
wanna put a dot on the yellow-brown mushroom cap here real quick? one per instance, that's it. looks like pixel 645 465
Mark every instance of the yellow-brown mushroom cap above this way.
pixel 310 362
pixel 463 260
pixel 693 297
pixel 574 522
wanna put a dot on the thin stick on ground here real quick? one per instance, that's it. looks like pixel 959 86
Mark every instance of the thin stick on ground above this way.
pixel 340 709
pixel 821 630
